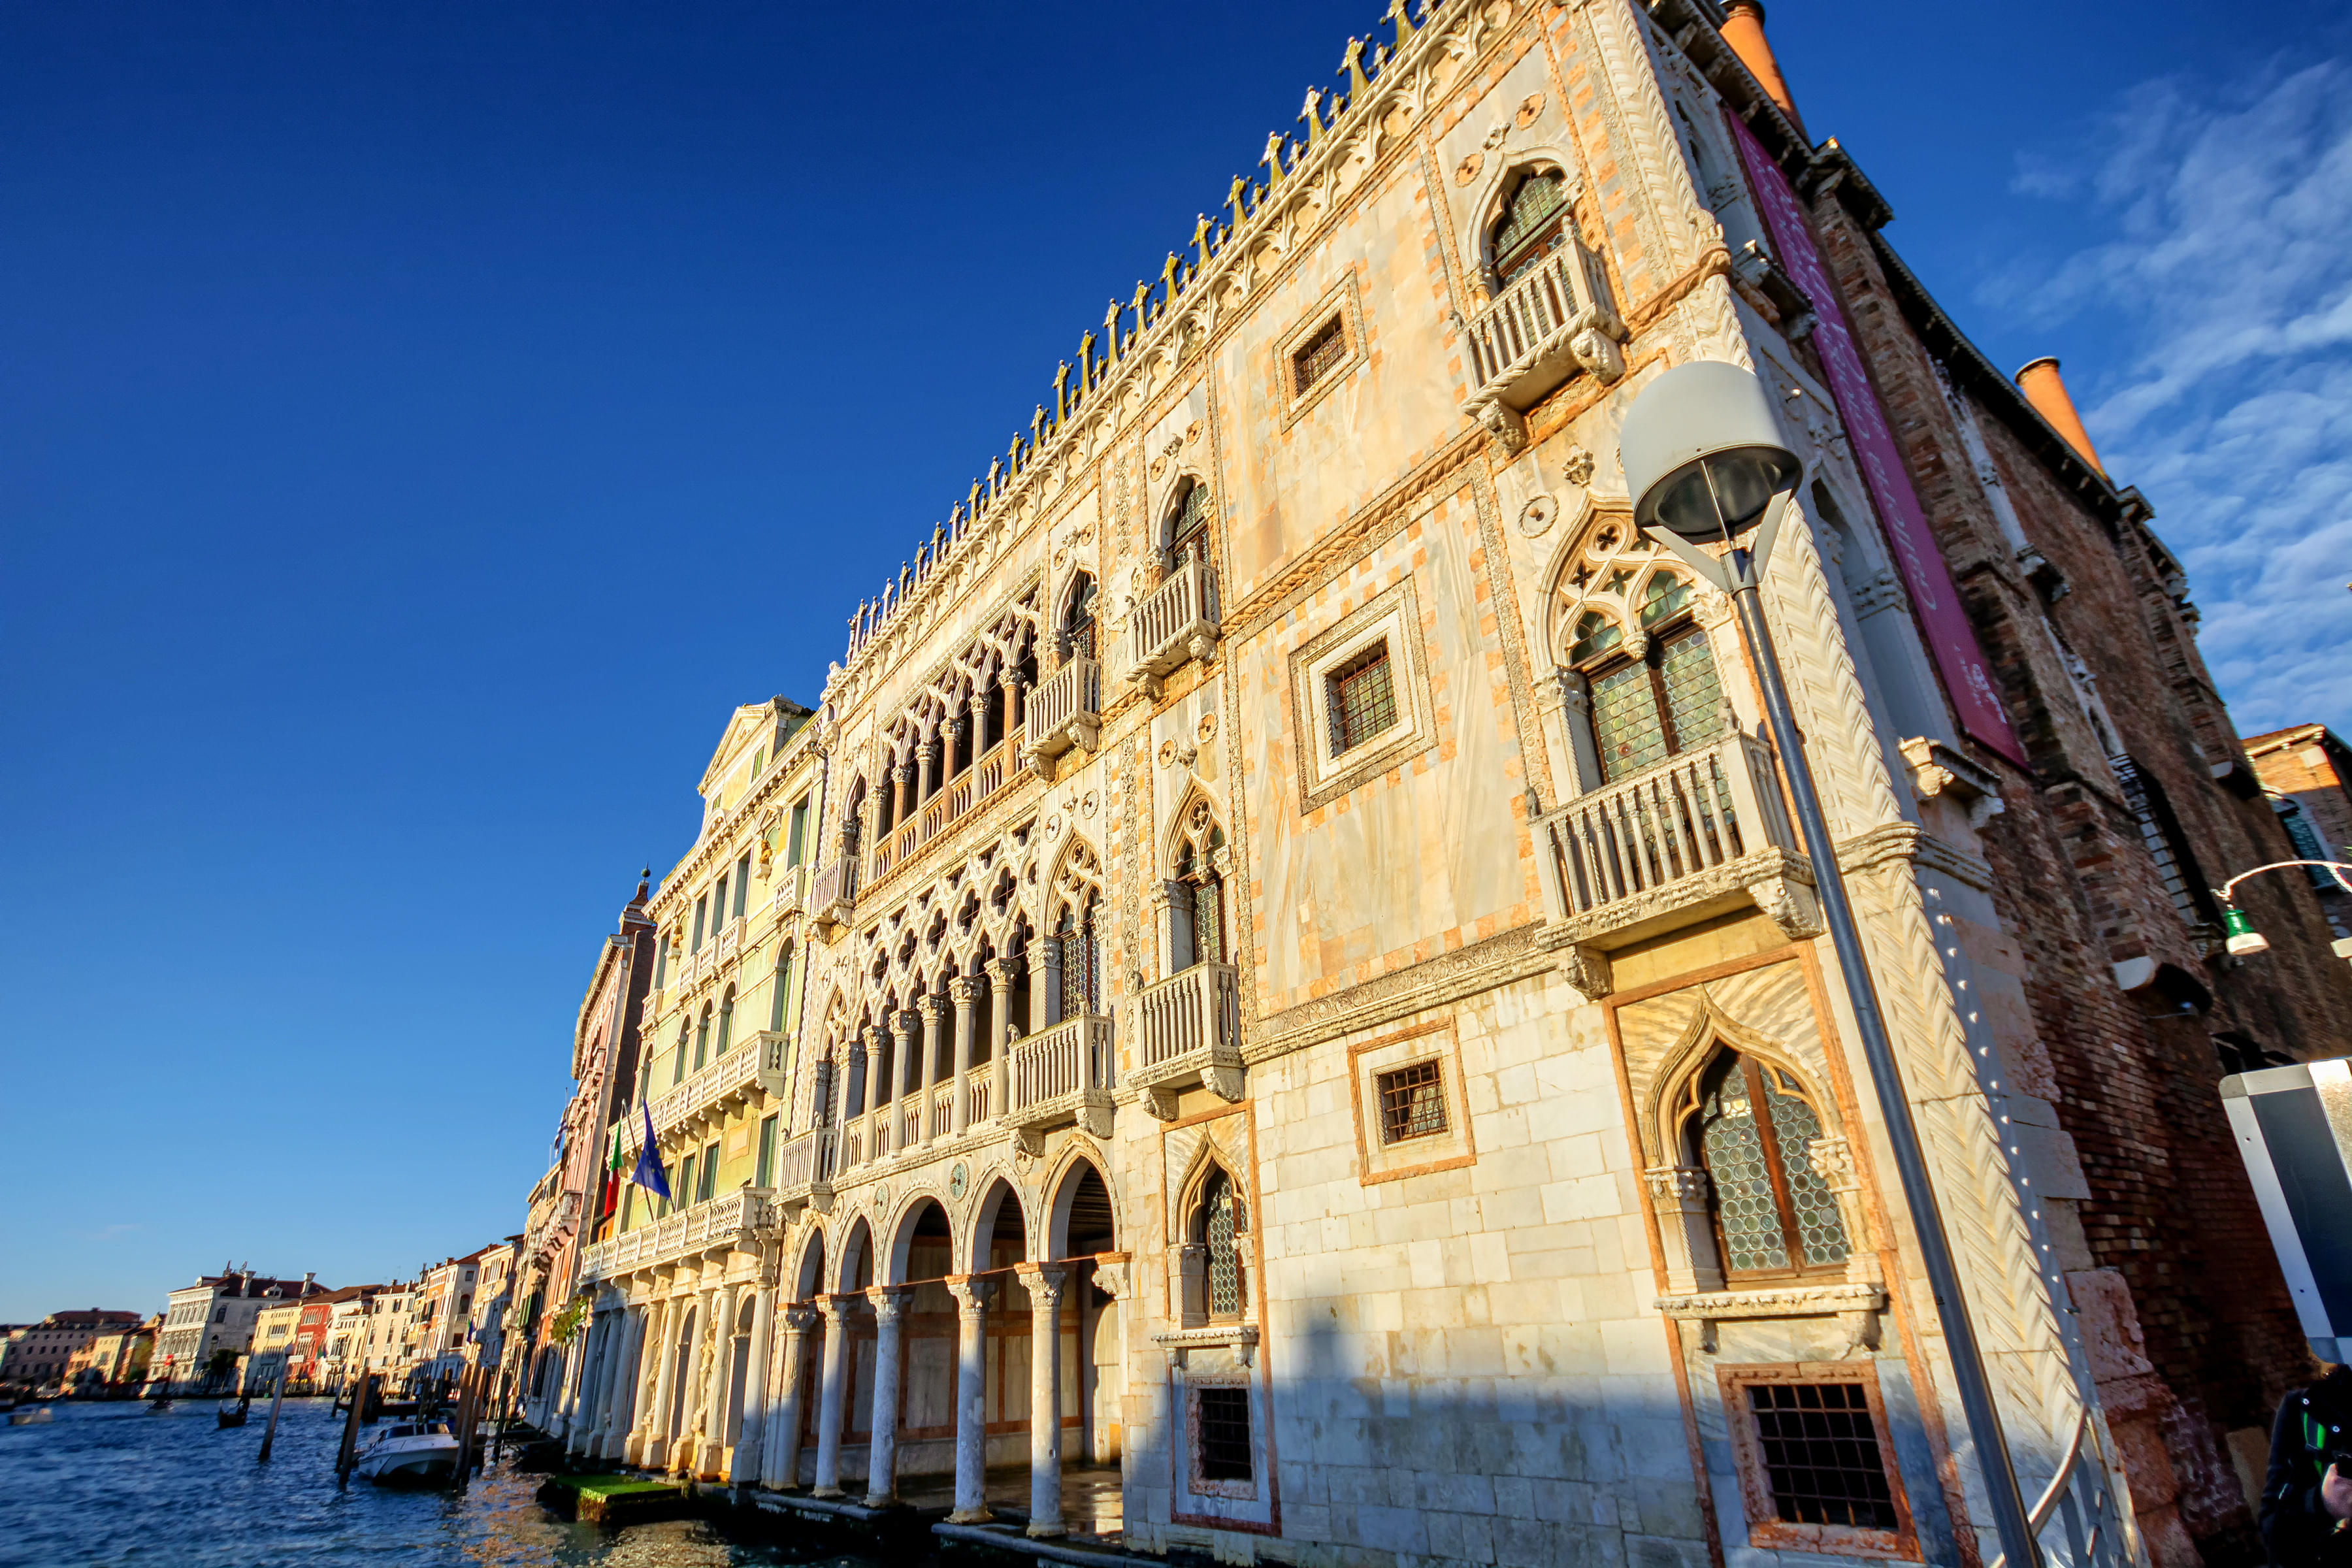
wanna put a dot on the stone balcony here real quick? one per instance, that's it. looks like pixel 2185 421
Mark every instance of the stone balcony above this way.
pixel 832 894
pixel 762 1062
pixel 791 892
pixel 804 1170
pixel 1553 322
pixel 977 785
pixel 735 1219
pixel 1176 621
pixel 1063 1073
pixel 1188 1029
pixel 1701 835
pixel 1066 710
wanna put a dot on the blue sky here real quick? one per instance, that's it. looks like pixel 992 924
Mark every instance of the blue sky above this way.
pixel 426 422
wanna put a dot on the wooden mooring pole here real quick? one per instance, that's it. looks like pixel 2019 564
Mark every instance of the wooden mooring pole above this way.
pixel 277 1398
pixel 345 1455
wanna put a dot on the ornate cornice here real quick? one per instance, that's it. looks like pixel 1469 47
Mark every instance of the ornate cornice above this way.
pixel 1516 955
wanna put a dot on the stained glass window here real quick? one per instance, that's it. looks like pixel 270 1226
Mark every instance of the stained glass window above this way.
pixel 1595 635
pixel 1669 701
pixel 1078 624
pixel 1191 521
pixel 1530 228
pixel 1077 934
pixel 1773 1212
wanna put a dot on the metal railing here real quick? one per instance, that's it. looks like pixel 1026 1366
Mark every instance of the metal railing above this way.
pixel 2080 1496
pixel 1196 1009
pixel 1073 1058
pixel 1689 814
pixel 1068 699
pixel 1559 293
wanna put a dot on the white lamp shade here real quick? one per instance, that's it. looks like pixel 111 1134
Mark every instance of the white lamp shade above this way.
pixel 1701 438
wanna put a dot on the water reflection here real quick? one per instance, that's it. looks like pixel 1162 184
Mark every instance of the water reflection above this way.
pixel 116 1484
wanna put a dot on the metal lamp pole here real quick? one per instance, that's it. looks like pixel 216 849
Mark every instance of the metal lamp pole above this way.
pixel 1705 426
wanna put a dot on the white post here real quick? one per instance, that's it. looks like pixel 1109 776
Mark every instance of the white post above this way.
pixel 784 1468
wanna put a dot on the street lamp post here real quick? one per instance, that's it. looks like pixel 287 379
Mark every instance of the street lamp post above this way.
pixel 1704 462
pixel 2244 941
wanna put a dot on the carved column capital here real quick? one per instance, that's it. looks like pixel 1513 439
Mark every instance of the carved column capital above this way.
pixel 1044 1281
pixel 800 1319
pixel 933 1007
pixel 1680 1187
pixel 888 1302
pixel 1002 971
pixel 966 990
pixel 974 1297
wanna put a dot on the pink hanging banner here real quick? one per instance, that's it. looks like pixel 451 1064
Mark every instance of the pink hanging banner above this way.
pixel 1950 638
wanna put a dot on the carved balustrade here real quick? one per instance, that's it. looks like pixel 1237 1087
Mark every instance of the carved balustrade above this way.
pixel 1065 709
pixel 1065 1073
pixel 762 1062
pixel 1175 622
pixel 733 1220
pixel 1188 1030
pixel 1553 322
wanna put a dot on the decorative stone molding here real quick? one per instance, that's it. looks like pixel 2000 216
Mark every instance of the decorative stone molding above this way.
pixel 1939 770
pixel 1856 1306
pixel 1239 1340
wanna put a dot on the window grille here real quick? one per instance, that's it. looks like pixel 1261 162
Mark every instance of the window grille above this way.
pixel 1078 980
pixel 1224 1425
pixel 1412 1102
pixel 1822 1454
pixel 1226 1219
pixel 1318 356
pixel 1362 699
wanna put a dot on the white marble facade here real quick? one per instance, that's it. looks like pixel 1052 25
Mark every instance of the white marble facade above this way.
pixel 1211 1062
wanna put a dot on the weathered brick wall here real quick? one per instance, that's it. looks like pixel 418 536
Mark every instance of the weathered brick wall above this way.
pixel 2171 1216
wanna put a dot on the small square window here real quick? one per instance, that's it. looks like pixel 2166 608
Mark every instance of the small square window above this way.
pixel 1362 699
pixel 1224 1435
pixel 1412 1102
pixel 1318 355
pixel 1821 1454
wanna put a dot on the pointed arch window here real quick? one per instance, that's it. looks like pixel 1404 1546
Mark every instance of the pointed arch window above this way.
pixel 1532 224
pixel 1080 990
pixel 1188 523
pixel 1652 704
pixel 1753 1129
pixel 726 1023
pixel 1223 1223
pixel 702 1039
pixel 1078 620
pixel 1204 901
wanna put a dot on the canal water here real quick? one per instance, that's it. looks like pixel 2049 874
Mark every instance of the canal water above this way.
pixel 116 1483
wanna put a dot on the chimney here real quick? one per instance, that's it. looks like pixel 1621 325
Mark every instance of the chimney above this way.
pixel 1743 29
pixel 2046 390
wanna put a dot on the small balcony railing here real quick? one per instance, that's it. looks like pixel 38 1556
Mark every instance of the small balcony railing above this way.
pixel 980 1089
pixel 1064 1073
pixel 1667 847
pixel 805 1167
pixel 733 1220
pixel 833 892
pixel 1522 345
pixel 1066 710
pixel 1190 1029
pixel 762 1062
pixel 792 890
pixel 1176 621
pixel 975 786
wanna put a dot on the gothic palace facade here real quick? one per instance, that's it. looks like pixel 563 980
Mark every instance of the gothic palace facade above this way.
pixel 1278 972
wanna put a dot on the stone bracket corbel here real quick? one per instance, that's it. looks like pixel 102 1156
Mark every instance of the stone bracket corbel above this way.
pixel 1939 770
pixel 1159 1104
pixel 1225 1082
pixel 1789 903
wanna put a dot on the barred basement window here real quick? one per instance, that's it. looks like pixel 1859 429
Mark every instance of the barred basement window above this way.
pixel 1412 1102
pixel 1318 356
pixel 1224 1434
pixel 1362 699
pixel 1821 1454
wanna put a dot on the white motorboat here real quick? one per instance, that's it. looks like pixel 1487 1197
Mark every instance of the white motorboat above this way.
pixel 410 1454
pixel 31 1415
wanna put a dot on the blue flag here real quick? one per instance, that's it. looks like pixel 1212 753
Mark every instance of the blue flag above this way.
pixel 649 1174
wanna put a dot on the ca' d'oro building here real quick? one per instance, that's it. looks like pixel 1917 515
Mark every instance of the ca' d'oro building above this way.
pixel 1280 972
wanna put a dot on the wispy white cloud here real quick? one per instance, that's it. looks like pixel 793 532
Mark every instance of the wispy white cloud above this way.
pixel 2227 285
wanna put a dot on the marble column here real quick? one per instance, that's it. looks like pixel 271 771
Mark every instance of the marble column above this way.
pixel 655 1452
pixel 688 1447
pixel 1045 984
pixel 965 991
pixel 972 1297
pixel 879 1069
pixel 649 1379
pixel 832 1394
pixel 743 1466
pixel 580 1419
pixel 898 777
pixel 783 1466
pixel 907 1068
pixel 934 1012
pixel 608 1381
pixel 719 1381
pixel 890 1302
pixel 1001 975
pixel 626 1393
pixel 1043 1282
